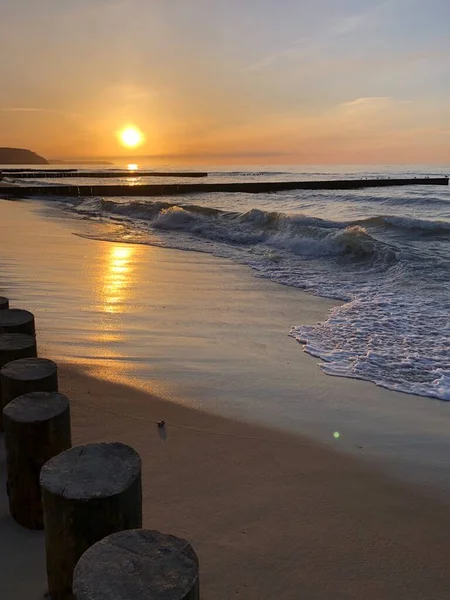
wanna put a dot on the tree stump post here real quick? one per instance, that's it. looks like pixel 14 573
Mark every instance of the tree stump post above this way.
pixel 12 347
pixel 16 320
pixel 4 303
pixel 37 428
pixel 138 565
pixel 88 492
pixel 26 375
pixel 16 345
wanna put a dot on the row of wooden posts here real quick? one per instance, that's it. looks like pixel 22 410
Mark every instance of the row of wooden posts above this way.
pixel 88 499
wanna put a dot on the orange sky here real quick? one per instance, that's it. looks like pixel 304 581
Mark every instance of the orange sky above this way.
pixel 206 81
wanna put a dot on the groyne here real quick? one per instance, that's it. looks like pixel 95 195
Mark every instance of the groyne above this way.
pixel 58 174
pixel 173 189
pixel 87 499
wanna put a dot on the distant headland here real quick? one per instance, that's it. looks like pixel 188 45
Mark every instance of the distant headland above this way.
pixel 20 156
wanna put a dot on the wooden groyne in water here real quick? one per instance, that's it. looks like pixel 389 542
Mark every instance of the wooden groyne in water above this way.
pixel 32 170
pixel 55 174
pixel 173 189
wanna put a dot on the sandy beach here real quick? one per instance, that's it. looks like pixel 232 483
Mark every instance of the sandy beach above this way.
pixel 271 515
pixel 249 471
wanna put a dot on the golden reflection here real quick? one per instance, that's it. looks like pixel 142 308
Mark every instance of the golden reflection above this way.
pixel 132 167
pixel 117 276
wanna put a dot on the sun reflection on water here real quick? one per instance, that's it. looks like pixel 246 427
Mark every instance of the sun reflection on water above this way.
pixel 117 277
pixel 114 286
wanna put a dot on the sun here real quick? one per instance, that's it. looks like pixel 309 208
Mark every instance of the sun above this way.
pixel 131 136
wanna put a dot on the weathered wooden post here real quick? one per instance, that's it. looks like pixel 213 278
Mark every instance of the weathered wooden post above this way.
pixel 88 492
pixel 26 375
pixel 16 345
pixel 138 565
pixel 4 303
pixel 37 428
pixel 12 347
pixel 16 320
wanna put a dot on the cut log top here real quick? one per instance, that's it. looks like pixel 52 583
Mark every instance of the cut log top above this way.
pixel 94 470
pixel 4 303
pixel 36 406
pixel 15 341
pixel 139 565
pixel 14 317
pixel 29 369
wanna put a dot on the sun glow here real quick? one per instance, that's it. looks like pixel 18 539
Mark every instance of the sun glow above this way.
pixel 117 275
pixel 131 136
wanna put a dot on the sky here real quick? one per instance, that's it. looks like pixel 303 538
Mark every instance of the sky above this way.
pixel 237 81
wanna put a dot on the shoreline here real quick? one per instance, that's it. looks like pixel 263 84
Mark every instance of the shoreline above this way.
pixel 273 504
pixel 205 332
pixel 270 514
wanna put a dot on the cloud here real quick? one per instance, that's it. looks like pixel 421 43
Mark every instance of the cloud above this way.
pixel 21 109
pixel 345 127
pixel 24 110
pixel 372 104
pixel 290 50
pixel 346 25
pixel 337 27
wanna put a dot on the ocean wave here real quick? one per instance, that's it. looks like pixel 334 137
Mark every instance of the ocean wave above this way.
pixel 298 234
pixel 251 173
pixel 408 223
pixel 38 182
pixel 408 200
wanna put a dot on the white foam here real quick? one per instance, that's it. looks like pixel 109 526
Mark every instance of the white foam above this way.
pixel 384 338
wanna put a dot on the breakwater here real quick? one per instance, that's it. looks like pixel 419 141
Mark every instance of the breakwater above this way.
pixel 55 174
pixel 172 189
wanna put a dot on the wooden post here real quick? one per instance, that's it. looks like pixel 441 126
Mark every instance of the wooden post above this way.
pixel 16 345
pixel 4 303
pixel 37 428
pixel 138 565
pixel 26 375
pixel 12 347
pixel 88 492
pixel 15 320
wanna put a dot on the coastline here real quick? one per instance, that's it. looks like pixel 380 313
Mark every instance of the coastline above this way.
pixel 270 514
pixel 207 333
pixel 263 491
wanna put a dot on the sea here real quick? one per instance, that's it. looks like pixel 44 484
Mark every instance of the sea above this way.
pixel 383 252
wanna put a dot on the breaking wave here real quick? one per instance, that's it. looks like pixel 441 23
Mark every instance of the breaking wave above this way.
pixel 299 234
